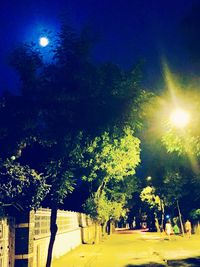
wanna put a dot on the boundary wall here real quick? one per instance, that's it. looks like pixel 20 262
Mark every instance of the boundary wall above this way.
pixel 24 240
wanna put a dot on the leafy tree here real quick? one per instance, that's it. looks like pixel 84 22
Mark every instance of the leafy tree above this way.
pixel 59 101
pixel 148 195
pixel 195 214
pixel 103 209
pixel 174 190
pixel 26 60
pixel 50 105
pixel 110 159
pixel 171 154
pixel 21 186
pixel 113 156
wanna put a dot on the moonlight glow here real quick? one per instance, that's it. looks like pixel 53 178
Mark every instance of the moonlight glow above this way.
pixel 179 118
pixel 44 41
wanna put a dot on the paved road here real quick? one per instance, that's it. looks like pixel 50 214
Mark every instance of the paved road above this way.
pixel 135 248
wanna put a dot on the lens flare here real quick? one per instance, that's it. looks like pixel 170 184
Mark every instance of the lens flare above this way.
pixel 179 118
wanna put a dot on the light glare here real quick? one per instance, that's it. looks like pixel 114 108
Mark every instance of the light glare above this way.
pixel 44 41
pixel 179 118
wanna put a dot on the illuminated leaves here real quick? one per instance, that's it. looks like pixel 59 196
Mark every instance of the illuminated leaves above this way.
pixel 148 195
pixel 181 143
pixel 112 156
pixel 21 186
pixel 110 159
pixel 103 209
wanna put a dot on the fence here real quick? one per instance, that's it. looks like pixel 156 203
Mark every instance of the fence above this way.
pixel 33 235
pixel 24 240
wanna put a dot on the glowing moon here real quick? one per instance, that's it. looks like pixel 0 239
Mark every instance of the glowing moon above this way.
pixel 44 41
pixel 179 118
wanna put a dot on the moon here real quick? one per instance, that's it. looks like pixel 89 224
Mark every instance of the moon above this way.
pixel 43 41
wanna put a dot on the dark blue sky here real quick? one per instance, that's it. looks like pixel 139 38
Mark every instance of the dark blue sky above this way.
pixel 128 30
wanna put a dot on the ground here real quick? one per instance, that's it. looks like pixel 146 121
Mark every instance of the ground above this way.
pixel 127 248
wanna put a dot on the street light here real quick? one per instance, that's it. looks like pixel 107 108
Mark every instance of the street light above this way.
pixel 179 118
pixel 148 178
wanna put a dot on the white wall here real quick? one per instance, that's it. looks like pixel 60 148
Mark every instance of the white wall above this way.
pixel 64 243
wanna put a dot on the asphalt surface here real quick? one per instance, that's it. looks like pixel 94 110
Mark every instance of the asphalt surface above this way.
pixel 128 248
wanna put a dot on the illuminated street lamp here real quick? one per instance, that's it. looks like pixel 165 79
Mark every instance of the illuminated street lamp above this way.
pixel 148 178
pixel 179 118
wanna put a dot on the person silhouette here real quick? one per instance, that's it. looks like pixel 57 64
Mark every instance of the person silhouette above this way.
pixel 188 228
pixel 168 229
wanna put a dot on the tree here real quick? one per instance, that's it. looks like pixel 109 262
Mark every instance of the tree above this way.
pixel 110 159
pixel 52 94
pixel 171 154
pixel 66 104
pixel 174 191
pixel 155 202
pixel 21 186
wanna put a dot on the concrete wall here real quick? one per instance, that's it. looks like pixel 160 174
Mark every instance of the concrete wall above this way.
pixel 64 243
pixel 88 234
pixel 24 240
pixel 67 238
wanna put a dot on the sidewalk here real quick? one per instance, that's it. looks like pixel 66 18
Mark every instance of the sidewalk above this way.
pixel 134 248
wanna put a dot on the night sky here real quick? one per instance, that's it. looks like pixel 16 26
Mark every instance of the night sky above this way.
pixel 128 30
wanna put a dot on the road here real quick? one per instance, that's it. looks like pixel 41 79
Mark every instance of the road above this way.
pixel 128 248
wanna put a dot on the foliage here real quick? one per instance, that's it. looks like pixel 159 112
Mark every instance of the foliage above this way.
pixel 113 157
pixel 61 180
pixel 181 143
pixel 21 186
pixel 110 160
pixel 26 60
pixel 60 100
pixel 195 214
pixel 64 98
pixel 63 167
pixel 102 209
pixel 171 154
pixel 148 195
pixel 141 108
pixel 174 185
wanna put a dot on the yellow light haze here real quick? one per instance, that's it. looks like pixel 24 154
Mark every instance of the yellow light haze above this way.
pixel 179 118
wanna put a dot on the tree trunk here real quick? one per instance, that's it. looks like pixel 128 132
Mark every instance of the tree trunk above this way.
pixel 96 237
pixel 156 222
pixel 163 215
pixel 180 218
pixel 98 195
pixel 103 229
pixel 53 230
pixel 109 227
pixel 100 189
